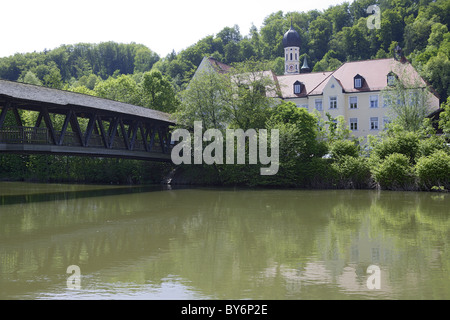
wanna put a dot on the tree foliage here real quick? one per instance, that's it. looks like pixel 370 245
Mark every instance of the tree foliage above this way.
pixel 329 38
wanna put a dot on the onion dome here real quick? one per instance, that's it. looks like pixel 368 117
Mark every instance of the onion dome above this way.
pixel 291 38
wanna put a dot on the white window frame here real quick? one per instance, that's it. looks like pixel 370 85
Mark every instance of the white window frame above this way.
pixel 318 103
pixel 355 103
pixel 373 101
pixel 358 83
pixel 374 123
pixel 297 88
pixel 353 124
pixel 391 80
pixel 333 102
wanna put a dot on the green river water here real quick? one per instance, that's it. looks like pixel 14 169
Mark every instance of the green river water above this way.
pixel 211 243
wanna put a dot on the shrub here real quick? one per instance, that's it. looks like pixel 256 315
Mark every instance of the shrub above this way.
pixel 434 170
pixel 341 148
pixel 431 144
pixel 353 172
pixel 403 142
pixel 395 173
pixel 317 173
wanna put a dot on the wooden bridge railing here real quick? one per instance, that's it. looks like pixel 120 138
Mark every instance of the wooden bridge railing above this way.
pixel 41 136
pixel 24 135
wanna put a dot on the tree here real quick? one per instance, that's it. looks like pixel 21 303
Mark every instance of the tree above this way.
pixel 416 34
pixel 204 100
pixel 31 78
pixel 123 88
pixel 298 130
pixel 444 122
pixel 228 35
pixel 251 94
pixel 409 102
pixel 159 92
pixel 392 26
pixel 328 62
pixel 320 32
pixel 437 72
pixel 144 59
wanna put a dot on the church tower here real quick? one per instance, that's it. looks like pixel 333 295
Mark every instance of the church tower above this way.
pixel 291 44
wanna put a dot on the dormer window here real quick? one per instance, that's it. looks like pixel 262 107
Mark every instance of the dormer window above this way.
pixel 358 81
pixel 391 77
pixel 297 87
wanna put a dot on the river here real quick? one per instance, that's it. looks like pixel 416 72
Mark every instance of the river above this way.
pixel 215 243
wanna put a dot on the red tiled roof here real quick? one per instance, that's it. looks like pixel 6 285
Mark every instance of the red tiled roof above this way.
pixel 310 82
pixel 374 72
pixel 219 66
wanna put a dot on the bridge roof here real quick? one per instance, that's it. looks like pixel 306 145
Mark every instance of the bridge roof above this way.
pixel 38 94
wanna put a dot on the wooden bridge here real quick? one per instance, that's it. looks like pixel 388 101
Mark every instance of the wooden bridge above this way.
pixel 69 123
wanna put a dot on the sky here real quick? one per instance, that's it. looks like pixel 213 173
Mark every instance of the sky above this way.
pixel 162 26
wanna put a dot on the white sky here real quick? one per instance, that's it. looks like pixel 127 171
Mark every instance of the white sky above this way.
pixel 163 25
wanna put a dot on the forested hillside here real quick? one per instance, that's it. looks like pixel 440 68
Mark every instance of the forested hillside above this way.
pixel 329 37
pixel 402 158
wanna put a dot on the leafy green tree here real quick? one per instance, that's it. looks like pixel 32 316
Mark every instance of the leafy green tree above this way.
pixel 437 72
pixel 228 35
pixel 434 170
pixel 272 32
pixel 409 102
pixel 392 27
pixel 395 173
pixel 159 92
pixel 353 39
pixel 298 128
pixel 416 34
pixel 53 79
pixel 328 62
pixel 400 141
pixel 31 78
pixel 204 100
pixel 444 122
pixel 251 94
pixel 144 59
pixel 122 88
pixel 320 32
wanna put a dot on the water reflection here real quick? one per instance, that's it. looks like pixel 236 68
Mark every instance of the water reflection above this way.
pixel 227 244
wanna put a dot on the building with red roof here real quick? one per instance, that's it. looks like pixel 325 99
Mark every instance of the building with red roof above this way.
pixel 354 91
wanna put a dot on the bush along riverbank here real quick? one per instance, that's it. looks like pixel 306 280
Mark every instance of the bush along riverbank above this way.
pixel 327 156
pixel 399 161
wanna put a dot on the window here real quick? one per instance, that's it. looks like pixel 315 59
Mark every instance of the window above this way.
pixel 358 81
pixel 333 102
pixel 374 101
pixel 374 123
pixel 354 124
pixel 391 80
pixel 386 122
pixel 353 102
pixel 318 104
pixel 297 87
pixel 391 77
pixel 305 106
